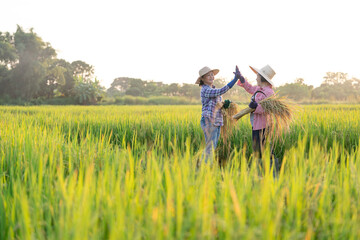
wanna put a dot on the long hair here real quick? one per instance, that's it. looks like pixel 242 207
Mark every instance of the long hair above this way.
pixel 201 82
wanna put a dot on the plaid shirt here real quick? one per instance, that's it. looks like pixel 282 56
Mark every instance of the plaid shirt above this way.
pixel 259 118
pixel 209 97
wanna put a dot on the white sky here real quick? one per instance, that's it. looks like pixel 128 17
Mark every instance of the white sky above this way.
pixel 169 41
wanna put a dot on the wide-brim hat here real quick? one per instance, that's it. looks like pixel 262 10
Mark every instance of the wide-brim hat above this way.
pixel 204 71
pixel 267 72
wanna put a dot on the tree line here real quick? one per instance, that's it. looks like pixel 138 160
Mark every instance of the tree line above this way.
pixel 31 72
pixel 336 86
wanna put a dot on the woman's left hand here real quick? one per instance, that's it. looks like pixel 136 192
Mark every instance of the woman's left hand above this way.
pixel 253 105
pixel 238 74
pixel 226 104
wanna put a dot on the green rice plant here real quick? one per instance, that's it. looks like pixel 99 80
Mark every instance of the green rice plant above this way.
pixel 130 173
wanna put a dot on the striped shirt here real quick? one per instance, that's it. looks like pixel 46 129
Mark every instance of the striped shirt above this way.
pixel 210 96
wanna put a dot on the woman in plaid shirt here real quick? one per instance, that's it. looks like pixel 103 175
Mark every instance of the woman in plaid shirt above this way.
pixel 211 117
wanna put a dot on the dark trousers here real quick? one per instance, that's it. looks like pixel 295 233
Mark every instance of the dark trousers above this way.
pixel 258 141
pixel 258 138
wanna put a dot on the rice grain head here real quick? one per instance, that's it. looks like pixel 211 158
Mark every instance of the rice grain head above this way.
pixel 279 112
pixel 229 122
pixel 227 131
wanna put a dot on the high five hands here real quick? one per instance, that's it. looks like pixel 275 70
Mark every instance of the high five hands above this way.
pixel 238 75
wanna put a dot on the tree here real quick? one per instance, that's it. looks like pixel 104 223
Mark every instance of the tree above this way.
pixel 88 92
pixel 30 70
pixel 153 88
pixel 299 81
pixel 134 91
pixel 83 70
pixel 190 90
pixel 4 80
pixel 136 87
pixel 60 77
pixel 324 92
pixel 55 77
pixel 119 86
pixel 8 55
pixel 296 91
pixel 336 86
pixel 67 88
pixel 173 89
pixel 356 84
pixel 332 78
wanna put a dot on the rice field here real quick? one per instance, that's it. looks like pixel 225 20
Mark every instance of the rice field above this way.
pixel 129 172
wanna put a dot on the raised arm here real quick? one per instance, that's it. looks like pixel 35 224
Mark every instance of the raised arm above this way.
pixel 247 86
pixel 214 92
pixel 243 83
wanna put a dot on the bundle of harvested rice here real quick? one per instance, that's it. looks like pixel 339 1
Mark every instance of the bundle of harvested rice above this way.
pixel 229 121
pixel 278 111
pixel 226 132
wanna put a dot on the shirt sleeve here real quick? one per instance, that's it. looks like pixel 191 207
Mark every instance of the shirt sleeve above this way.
pixel 214 92
pixel 248 87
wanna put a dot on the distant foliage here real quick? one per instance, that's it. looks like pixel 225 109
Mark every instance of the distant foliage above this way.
pixel 336 87
pixel 297 91
pixel 156 100
pixel 88 92
pixel 31 73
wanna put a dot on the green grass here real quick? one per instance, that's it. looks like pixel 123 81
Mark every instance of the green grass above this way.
pixel 129 172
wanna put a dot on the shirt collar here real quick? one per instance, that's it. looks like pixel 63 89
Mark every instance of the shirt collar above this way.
pixel 213 86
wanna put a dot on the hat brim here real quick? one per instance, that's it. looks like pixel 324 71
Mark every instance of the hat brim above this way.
pixel 257 71
pixel 215 71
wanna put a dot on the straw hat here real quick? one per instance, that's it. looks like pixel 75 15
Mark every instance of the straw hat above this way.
pixel 204 71
pixel 267 72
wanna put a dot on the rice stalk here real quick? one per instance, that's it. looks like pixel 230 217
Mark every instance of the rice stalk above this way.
pixel 279 112
pixel 229 121
pixel 227 131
